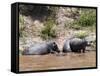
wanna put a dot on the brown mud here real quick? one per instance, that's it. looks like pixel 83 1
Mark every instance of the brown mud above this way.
pixel 57 61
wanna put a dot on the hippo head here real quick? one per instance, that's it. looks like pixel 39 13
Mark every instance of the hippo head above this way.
pixel 90 40
pixel 87 43
pixel 55 47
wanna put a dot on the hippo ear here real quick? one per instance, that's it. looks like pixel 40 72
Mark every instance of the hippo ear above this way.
pixel 54 43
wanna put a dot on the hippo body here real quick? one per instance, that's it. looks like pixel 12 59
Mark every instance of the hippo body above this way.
pixel 41 49
pixel 75 45
pixel 66 47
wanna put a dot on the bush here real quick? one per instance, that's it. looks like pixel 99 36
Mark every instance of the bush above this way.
pixel 48 31
pixel 81 34
pixel 22 32
pixel 77 27
pixel 87 17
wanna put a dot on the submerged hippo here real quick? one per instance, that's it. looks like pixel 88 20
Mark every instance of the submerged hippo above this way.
pixel 41 49
pixel 75 45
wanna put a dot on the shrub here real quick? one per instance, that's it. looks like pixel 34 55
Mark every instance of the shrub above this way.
pixel 81 34
pixel 21 26
pixel 87 17
pixel 76 27
pixel 48 31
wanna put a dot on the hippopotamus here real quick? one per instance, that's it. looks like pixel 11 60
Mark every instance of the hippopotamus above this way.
pixel 75 45
pixel 41 49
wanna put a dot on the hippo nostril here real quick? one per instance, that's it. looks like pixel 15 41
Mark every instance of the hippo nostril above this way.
pixel 58 51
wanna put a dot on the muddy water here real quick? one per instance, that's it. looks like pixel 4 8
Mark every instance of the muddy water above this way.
pixel 58 61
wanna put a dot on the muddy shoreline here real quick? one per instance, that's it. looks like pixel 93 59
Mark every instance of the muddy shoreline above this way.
pixel 61 61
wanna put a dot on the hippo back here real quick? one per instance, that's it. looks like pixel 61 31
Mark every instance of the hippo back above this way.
pixel 37 49
pixel 77 44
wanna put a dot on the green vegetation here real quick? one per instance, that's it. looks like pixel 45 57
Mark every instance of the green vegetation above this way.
pixel 87 17
pixel 77 27
pixel 22 32
pixel 81 34
pixel 48 31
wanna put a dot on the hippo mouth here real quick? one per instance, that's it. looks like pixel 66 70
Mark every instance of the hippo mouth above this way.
pixel 89 43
